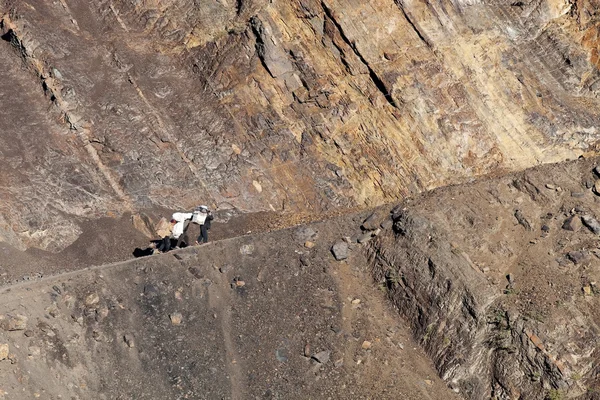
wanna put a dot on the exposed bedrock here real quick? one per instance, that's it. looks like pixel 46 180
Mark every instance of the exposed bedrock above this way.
pixel 499 281
pixel 292 105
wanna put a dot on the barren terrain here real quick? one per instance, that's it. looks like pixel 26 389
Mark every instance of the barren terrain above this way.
pixel 406 199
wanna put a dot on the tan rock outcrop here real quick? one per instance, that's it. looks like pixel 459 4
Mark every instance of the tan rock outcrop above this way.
pixel 325 104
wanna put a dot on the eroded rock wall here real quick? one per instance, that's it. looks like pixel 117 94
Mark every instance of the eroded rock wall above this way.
pixel 299 106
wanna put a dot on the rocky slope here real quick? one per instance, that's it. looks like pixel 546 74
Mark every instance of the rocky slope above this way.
pixel 499 280
pixel 269 316
pixel 496 280
pixel 299 105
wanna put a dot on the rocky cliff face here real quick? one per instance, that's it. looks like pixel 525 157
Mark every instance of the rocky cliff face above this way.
pixel 299 105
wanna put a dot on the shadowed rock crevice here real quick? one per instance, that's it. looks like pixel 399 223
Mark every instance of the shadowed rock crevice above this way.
pixel 377 81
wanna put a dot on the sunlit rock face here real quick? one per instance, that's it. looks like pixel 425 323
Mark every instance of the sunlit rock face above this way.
pixel 289 105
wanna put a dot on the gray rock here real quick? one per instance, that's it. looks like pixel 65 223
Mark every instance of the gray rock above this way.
pixel 576 256
pixel 387 224
pixel 511 279
pixel 522 220
pixel 150 290
pixel 247 249
pixel 225 269
pixel 577 195
pixel 340 250
pixel 591 223
pixel 304 260
pixel 596 188
pixel 56 73
pixel 371 223
pixel 128 339
pixel 271 52
pixel 322 356
pixel 364 238
pixel 13 322
pixel 305 233
pixel 597 170
pixel 573 223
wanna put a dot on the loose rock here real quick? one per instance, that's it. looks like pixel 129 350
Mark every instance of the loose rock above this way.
pixel 322 356
pixel 340 250
pixel 176 318
pixel 366 345
pixel 576 256
pixel 305 233
pixel 596 187
pixel 365 237
pixel 304 260
pixel 522 220
pixel 247 249
pixel 92 299
pixel 13 322
pixel 128 339
pixel 240 283
pixel 591 223
pixel 4 350
pixel 573 223
pixel 371 223
pixel 225 269
pixel 309 245
pixel 150 291
pixel 34 351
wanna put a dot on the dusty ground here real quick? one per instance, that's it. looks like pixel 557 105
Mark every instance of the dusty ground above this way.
pixel 108 240
pixel 500 241
pixel 250 340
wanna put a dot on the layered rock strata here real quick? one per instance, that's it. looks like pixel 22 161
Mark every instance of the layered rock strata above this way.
pixel 297 106
pixel 499 280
